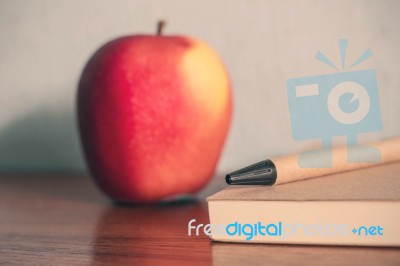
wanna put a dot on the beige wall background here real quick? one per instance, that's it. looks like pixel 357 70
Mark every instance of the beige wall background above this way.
pixel 45 44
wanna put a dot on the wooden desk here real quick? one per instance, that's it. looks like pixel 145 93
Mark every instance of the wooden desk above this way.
pixel 64 220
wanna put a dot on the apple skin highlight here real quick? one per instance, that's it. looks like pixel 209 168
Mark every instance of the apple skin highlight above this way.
pixel 154 112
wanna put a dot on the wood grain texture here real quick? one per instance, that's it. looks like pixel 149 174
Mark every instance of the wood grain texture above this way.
pixel 64 220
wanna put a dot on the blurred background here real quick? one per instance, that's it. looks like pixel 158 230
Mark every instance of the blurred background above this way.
pixel 45 44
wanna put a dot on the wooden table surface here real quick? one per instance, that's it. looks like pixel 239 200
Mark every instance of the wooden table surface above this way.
pixel 65 220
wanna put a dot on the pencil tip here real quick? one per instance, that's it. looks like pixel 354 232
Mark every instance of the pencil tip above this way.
pixel 228 179
pixel 262 173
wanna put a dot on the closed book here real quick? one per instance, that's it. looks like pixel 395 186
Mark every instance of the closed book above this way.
pixel 359 207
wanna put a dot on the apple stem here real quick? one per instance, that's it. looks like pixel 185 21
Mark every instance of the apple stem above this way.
pixel 160 27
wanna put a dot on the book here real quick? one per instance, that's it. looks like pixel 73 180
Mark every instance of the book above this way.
pixel 360 207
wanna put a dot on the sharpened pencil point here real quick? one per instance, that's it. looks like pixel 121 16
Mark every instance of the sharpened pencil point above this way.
pixel 228 179
pixel 262 173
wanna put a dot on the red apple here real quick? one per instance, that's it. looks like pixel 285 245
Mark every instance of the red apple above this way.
pixel 153 112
